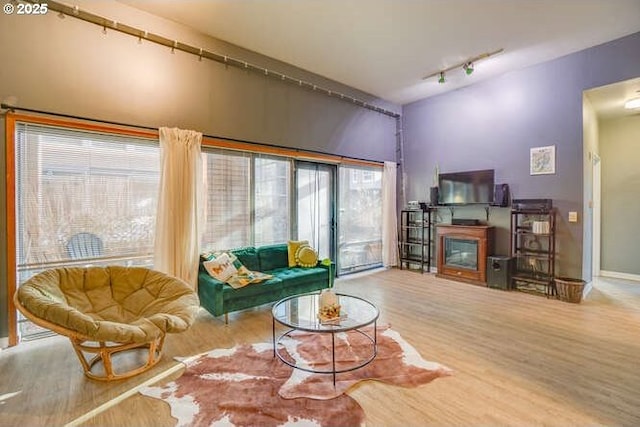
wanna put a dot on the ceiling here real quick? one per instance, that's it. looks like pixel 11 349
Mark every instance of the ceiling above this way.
pixel 386 47
pixel 608 101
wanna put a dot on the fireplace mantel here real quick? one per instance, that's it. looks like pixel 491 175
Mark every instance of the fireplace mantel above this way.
pixel 469 266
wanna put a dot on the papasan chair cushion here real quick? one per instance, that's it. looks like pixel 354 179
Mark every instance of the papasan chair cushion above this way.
pixel 132 306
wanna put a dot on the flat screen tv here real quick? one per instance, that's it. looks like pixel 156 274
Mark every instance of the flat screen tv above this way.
pixel 466 188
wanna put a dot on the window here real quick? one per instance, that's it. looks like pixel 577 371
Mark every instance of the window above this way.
pixel 83 189
pixel 360 218
pixel 227 219
pixel 86 197
pixel 234 183
pixel 272 200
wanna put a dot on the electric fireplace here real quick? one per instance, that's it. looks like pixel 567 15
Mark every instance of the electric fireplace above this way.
pixel 462 252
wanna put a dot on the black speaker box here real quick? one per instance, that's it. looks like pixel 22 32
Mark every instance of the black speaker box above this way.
pixel 499 271
pixel 501 195
pixel 433 196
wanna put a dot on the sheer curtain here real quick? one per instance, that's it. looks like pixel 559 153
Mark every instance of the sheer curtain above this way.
pixel 178 213
pixel 389 216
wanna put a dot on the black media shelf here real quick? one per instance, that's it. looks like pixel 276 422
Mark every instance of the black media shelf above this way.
pixel 534 252
pixel 416 242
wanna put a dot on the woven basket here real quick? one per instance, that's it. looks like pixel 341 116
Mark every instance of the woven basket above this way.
pixel 569 290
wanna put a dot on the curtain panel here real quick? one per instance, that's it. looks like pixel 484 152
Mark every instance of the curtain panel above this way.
pixel 389 216
pixel 179 212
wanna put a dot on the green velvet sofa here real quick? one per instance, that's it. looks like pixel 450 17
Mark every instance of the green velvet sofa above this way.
pixel 218 298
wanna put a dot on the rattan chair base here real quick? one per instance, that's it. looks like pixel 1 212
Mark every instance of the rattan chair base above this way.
pixel 103 357
pixel 103 351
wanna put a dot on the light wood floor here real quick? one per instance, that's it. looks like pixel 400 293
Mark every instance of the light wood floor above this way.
pixel 518 360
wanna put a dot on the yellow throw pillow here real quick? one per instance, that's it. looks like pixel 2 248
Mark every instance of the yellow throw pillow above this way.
pixel 306 256
pixel 292 247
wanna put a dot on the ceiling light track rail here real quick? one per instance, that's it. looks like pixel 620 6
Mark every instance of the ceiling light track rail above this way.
pixel 108 24
pixel 466 65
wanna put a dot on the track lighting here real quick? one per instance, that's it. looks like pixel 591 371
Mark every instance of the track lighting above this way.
pixel 632 104
pixel 467 66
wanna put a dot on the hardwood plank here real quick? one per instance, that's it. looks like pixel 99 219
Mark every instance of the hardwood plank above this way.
pixel 518 359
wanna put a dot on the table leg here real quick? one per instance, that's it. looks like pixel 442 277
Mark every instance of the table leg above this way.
pixel 375 335
pixel 273 335
pixel 333 357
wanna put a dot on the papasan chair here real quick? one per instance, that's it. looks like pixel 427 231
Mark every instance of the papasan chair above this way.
pixel 109 310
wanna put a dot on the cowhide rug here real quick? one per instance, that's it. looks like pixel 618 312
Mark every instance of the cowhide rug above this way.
pixel 247 386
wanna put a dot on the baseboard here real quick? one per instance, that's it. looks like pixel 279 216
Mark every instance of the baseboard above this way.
pixel 617 275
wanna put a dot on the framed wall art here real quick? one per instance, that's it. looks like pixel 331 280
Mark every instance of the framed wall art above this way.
pixel 542 160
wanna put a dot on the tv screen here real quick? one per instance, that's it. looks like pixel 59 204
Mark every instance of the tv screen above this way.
pixel 464 188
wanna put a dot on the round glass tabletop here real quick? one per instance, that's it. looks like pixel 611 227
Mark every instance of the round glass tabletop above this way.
pixel 301 312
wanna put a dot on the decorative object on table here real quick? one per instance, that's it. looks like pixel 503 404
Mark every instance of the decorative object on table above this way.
pixel 329 302
pixel 542 160
pixel 213 386
pixel 329 306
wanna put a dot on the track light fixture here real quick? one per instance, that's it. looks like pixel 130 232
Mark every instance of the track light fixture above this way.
pixel 467 66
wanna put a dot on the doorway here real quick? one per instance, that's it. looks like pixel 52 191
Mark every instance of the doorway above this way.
pixel 316 206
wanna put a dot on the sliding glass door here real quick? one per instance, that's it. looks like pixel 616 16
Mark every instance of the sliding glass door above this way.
pixel 315 191
pixel 360 219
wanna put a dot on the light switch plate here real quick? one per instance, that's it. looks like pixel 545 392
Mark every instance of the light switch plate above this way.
pixel 573 216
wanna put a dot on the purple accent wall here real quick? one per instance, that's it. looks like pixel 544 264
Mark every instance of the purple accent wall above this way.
pixel 494 123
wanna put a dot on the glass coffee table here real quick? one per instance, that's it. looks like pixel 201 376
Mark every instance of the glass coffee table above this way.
pixel 300 313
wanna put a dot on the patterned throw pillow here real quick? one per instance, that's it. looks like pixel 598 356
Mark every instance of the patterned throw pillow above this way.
pixel 306 256
pixel 222 266
pixel 292 247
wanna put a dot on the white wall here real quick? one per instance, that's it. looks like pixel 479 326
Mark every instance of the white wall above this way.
pixel 620 154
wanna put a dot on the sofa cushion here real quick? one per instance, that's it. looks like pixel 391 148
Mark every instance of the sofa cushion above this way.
pixel 248 256
pixel 292 248
pixel 252 289
pixel 221 266
pixel 272 257
pixel 306 256
pixel 297 275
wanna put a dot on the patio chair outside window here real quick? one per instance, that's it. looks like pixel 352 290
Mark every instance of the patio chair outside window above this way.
pixel 85 245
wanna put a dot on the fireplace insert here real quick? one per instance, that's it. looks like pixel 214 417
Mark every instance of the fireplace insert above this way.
pixel 461 253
